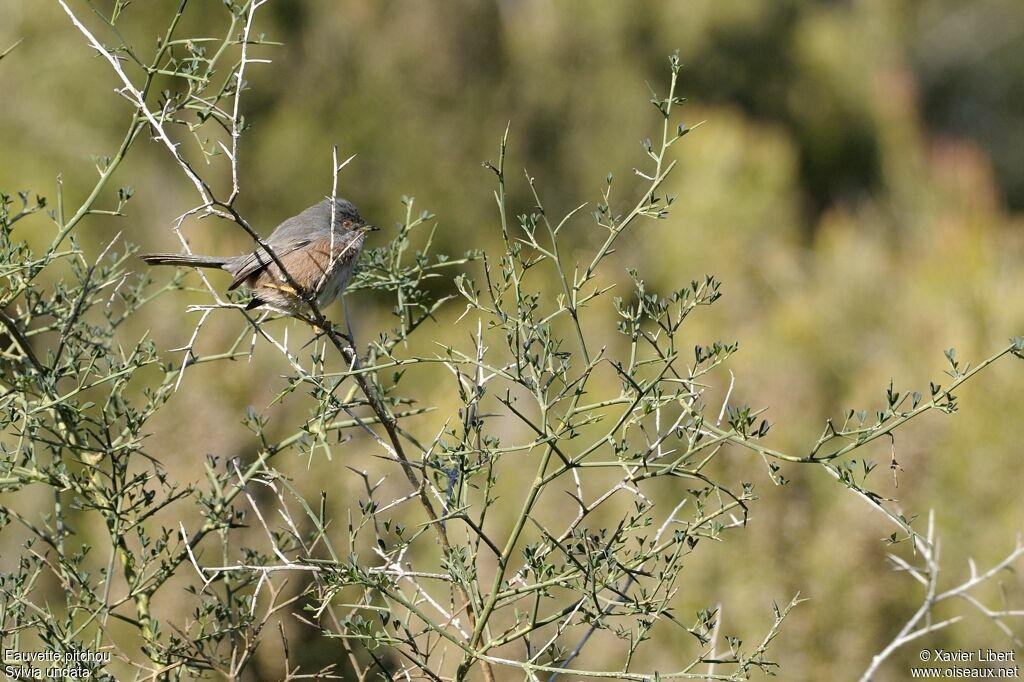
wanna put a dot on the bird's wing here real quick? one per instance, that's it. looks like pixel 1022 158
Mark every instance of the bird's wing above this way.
pixel 246 266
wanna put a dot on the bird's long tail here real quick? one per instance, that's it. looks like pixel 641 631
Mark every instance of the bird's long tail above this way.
pixel 184 259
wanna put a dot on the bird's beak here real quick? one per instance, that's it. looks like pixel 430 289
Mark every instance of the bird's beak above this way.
pixel 371 228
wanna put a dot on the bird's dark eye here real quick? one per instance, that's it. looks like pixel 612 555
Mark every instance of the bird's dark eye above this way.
pixel 347 223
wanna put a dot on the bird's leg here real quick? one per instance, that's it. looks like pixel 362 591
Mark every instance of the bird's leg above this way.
pixel 331 330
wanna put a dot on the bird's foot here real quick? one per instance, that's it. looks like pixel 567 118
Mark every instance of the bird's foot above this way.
pixel 331 331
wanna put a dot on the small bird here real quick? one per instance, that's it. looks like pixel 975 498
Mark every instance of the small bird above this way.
pixel 320 260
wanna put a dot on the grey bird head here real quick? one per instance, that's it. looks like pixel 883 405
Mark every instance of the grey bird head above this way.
pixel 316 220
pixel 346 215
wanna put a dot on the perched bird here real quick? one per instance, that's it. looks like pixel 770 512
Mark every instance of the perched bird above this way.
pixel 319 259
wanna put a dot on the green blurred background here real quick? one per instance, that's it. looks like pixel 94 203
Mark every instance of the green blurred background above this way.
pixel 856 186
